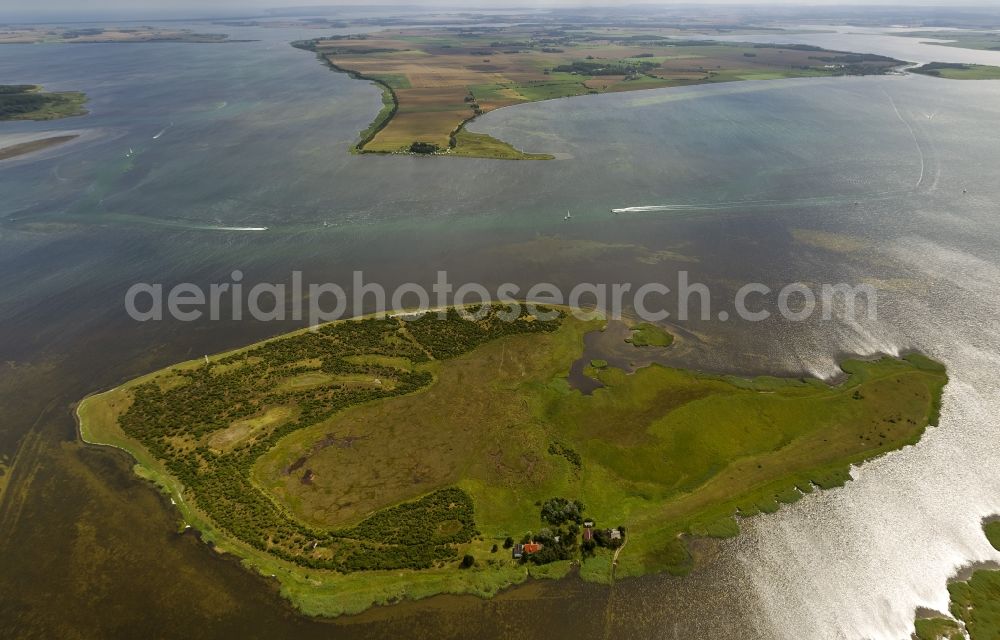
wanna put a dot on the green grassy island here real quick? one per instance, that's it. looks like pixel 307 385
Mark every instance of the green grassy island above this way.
pixel 29 102
pixel 959 71
pixel 373 460
pixel 650 335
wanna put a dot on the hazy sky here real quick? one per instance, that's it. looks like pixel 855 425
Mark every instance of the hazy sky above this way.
pixel 229 6
pixel 142 8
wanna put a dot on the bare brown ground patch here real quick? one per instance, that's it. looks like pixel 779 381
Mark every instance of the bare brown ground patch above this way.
pixel 242 431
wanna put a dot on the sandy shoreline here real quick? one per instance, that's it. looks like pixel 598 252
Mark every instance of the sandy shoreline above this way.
pixel 23 148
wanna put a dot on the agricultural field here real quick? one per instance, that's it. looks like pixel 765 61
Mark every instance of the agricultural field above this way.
pixel 378 459
pixel 29 102
pixel 436 80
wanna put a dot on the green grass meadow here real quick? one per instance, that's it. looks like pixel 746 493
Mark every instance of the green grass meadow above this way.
pixel 668 453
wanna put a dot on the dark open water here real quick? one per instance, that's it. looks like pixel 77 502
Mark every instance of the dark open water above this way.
pixel 892 181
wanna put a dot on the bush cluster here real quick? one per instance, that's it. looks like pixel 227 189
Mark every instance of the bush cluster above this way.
pixel 176 421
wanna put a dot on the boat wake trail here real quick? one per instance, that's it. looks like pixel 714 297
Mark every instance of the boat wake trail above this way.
pixel 913 135
pixel 220 228
pixel 773 204
pixel 665 207
pixel 195 226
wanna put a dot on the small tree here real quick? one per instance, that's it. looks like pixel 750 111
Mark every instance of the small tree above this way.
pixel 467 562
pixel 508 543
pixel 423 147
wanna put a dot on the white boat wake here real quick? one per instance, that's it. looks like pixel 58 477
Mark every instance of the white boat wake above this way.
pixel 737 204
pixel 913 135
pixel 664 207
pixel 162 131
pixel 179 224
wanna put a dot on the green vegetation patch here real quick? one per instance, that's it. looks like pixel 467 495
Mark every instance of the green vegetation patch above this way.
pixel 959 71
pixel 559 449
pixel 29 102
pixel 650 335
pixel 554 85
pixel 937 629
pixel 396 81
pixel 992 530
pixel 977 604
pixel 454 335
pixel 482 145
pixel 353 491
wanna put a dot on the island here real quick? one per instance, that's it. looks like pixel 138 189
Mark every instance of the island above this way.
pixel 435 80
pixel 29 102
pixel 959 71
pixel 384 458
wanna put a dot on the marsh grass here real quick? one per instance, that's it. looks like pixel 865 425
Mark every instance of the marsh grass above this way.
pixel 668 453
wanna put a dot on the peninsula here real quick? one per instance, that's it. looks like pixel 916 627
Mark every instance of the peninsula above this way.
pixel 378 459
pixel 435 80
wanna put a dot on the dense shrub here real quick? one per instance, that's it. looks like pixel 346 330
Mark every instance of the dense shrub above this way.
pixel 175 421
